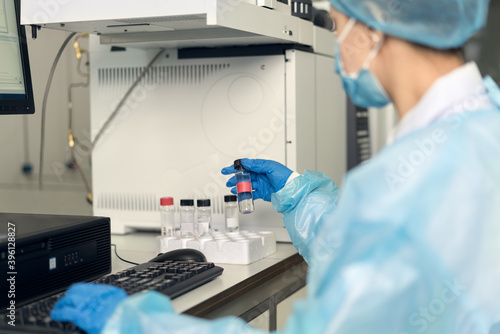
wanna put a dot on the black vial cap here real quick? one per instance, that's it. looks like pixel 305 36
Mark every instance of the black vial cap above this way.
pixel 230 198
pixel 238 165
pixel 187 202
pixel 203 202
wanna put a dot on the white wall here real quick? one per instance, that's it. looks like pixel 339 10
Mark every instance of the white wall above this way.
pixel 63 190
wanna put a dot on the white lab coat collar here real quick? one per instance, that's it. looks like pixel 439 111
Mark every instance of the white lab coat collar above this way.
pixel 461 90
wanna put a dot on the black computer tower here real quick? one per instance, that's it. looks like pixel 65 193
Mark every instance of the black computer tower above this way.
pixel 43 254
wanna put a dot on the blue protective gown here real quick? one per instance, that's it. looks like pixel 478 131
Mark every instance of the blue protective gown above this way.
pixel 411 246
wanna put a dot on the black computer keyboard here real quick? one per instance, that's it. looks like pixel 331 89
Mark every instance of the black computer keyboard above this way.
pixel 172 278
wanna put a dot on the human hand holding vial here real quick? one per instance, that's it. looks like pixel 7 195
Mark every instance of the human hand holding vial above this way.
pixel 244 188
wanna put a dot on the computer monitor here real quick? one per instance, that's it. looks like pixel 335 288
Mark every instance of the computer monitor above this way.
pixel 16 92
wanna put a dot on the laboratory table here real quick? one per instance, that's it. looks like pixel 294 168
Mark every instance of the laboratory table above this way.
pixel 245 291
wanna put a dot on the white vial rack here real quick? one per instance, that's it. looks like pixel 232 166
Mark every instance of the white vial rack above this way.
pixel 242 247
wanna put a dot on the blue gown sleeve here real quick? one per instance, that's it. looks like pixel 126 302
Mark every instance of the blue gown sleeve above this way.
pixel 307 203
pixel 152 313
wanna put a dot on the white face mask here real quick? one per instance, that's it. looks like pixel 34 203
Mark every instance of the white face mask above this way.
pixel 363 87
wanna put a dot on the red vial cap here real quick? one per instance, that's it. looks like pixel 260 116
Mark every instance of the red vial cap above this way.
pixel 165 201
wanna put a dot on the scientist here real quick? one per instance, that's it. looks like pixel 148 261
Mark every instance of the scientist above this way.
pixel 412 245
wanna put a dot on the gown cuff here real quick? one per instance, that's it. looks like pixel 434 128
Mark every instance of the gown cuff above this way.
pixel 291 177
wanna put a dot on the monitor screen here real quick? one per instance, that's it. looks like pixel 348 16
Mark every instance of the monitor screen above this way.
pixel 16 94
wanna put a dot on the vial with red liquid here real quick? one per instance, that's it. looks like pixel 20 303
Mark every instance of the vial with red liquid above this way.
pixel 244 188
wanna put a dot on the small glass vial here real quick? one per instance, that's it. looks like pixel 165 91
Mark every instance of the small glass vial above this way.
pixel 167 211
pixel 244 188
pixel 204 217
pixel 231 211
pixel 187 216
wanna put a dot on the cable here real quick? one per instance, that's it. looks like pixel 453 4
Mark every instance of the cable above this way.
pixel 78 54
pixel 79 169
pixel 118 256
pixel 44 106
pixel 85 84
pixel 26 140
pixel 125 97
pixel 27 166
pixel 72 140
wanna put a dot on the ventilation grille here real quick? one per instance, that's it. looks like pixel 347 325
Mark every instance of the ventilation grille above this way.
pixel 217 205
pixel 128 202
pixel 302 9
pixel 174 18
pixel 160 75
pixel 66 240
pixel 147 202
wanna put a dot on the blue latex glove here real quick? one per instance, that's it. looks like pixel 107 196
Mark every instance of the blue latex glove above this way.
pixel 268 177
pixel 88 305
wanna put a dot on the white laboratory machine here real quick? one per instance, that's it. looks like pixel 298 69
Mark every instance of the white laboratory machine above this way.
pixel 236 79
